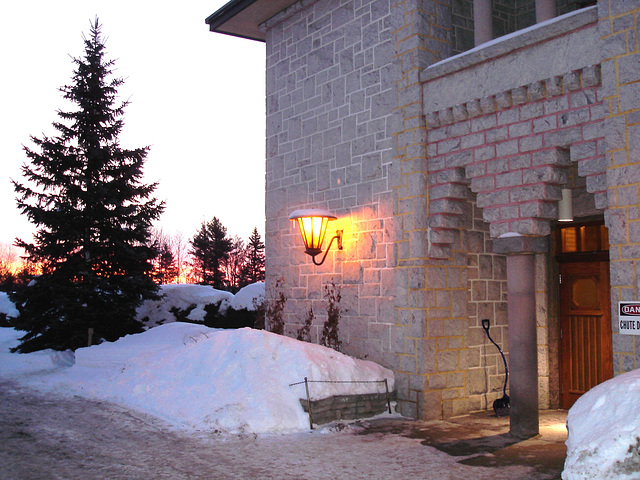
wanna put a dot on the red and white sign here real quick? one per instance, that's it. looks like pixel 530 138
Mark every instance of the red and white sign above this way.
pixel 629 318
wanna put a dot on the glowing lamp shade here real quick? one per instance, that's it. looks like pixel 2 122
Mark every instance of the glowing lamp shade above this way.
pixel 313 228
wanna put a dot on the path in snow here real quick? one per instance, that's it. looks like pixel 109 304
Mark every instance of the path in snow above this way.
pixel 55 438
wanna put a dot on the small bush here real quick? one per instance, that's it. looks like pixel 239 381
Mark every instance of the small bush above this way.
pixel 304 332
pixel 214 318
pixel 275 310
pixel 181 315
pixel 259 313
pixel 229 319
pixel 329 336
pixel 239 318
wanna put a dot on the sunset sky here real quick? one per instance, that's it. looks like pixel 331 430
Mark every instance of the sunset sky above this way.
pixel 197 99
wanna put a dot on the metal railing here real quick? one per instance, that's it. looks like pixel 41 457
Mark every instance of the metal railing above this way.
pixel 306 382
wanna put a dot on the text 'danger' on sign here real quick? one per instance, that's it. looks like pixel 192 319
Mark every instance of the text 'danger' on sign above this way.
pixel 629 318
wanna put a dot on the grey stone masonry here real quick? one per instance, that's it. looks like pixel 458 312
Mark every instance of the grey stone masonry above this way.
pixel 618 29
pixel 431 162
pixel 330 97
pixel 421 32
pixel 516 158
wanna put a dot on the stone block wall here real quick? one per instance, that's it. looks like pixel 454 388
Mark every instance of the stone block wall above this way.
pixel 618 29
pixel 487 286
pixel 431 297
pixel 547 335
pixel 345 132
pixel 514 150
pixel 454 369
pixel 347 407
pixel 330 98
pixel 421 192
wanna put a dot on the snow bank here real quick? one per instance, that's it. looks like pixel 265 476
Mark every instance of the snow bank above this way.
pixel 247 297
pixel 195 377
pixel 604 431
pixel 15 365
pixel 181 296
pixel 6 306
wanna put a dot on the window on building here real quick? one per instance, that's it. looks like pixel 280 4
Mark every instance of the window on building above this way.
pixel 508 17
pixel 587 238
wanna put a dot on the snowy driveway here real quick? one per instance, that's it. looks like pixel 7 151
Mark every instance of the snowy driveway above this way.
pixel 48 437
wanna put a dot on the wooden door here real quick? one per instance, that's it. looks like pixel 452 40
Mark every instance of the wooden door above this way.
pixel 585 323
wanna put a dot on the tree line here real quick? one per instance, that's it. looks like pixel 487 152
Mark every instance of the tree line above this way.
pixel 211 257
pixel 225 263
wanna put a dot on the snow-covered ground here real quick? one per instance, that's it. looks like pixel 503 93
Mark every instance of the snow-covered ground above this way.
pixel 238 381
pixel 195 377
pixel 45 436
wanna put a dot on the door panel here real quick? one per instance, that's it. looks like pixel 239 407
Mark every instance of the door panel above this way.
pixel 586 355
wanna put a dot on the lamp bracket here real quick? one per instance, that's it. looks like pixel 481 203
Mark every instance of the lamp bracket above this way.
pixel 337 236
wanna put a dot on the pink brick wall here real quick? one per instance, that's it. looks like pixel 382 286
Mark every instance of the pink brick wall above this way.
pixel 515 151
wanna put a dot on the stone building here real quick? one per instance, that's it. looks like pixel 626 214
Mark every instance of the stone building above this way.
pixel 445 135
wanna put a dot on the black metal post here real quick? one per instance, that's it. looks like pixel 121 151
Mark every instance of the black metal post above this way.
pixel 306 386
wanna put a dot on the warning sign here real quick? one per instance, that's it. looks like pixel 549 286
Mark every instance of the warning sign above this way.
pixel 629 318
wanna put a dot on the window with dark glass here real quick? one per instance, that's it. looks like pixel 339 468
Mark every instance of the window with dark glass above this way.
pixel 582 239
pixel 508 16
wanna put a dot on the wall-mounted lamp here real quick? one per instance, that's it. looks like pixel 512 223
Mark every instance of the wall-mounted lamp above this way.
pixel 313 227
pixel 565 207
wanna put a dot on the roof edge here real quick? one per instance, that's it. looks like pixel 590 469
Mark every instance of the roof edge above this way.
pixel 227 12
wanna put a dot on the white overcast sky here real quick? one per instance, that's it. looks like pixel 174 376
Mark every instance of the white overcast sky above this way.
pixel 197 99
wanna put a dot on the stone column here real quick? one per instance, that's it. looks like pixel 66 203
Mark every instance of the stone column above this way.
pixel 482 21
pixel 523 348
pixel 421 40
pixel 545 10
pixel 523 344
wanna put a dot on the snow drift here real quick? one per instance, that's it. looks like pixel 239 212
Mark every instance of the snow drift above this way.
pixel 7 307
pixel 604 431
pixel 195 377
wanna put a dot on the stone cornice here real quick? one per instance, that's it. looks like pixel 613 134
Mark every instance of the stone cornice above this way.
pixel 551 87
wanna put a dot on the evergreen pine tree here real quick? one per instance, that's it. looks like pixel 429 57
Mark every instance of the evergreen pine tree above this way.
pixel 253 270
pixel 210 248
pixel 93 216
